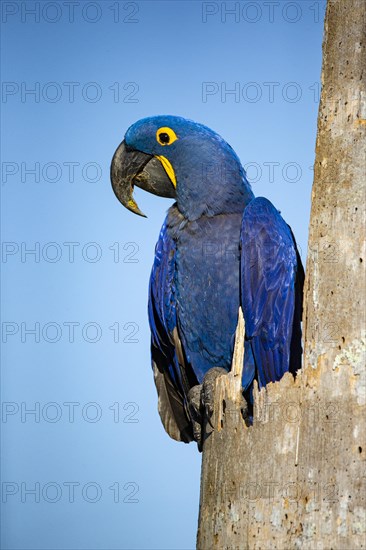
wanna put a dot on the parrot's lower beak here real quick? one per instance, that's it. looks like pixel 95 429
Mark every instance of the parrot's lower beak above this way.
pixel 129 168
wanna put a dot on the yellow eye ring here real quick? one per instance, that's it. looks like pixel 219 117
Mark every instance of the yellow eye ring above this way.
pixel 166 136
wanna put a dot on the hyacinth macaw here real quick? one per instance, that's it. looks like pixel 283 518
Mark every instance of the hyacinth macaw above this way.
pixel 219 248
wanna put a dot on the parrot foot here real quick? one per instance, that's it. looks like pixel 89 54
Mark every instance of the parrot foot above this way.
pixel 194 406
pixel 201 405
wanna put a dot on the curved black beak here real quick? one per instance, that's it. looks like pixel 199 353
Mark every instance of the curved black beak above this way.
pixel 129 168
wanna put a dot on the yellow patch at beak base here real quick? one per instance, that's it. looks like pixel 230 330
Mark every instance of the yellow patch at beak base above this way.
pixel 168 169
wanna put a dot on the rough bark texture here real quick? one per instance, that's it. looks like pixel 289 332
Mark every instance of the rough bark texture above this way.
pixel 295 479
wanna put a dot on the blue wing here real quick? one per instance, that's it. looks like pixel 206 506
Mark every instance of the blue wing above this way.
pixel 271 293
pixel 165 344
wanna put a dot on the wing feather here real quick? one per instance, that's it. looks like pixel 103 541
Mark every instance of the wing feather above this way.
pixel 271 292
pixel 165 343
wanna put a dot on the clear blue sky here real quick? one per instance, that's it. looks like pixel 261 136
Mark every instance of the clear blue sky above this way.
pixel 103 472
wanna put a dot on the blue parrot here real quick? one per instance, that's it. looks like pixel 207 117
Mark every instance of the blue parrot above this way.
pixel 219 248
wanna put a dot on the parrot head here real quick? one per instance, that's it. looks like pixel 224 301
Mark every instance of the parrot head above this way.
pixel 174 157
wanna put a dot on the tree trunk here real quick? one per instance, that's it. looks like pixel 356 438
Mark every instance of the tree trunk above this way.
pixel 295 479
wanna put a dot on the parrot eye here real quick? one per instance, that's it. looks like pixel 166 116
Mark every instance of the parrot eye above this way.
pixel 166 136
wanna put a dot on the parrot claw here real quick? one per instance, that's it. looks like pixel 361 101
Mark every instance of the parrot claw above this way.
pixel 201 405
pixel 194 406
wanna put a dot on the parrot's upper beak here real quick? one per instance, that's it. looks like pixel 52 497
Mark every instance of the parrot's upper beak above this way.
pixel 130 168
